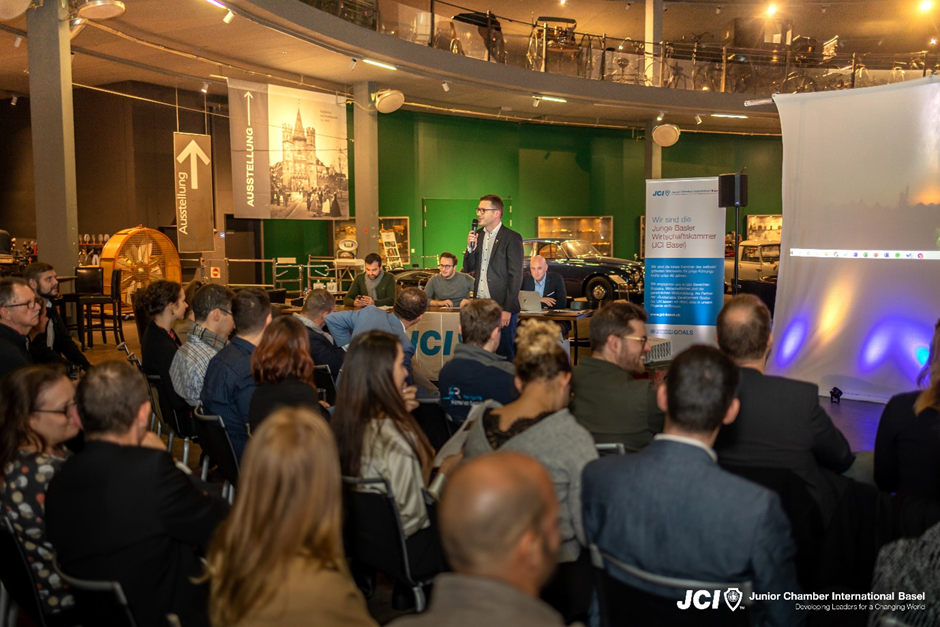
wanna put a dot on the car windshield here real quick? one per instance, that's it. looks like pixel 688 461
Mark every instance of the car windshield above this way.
pixel 579 249
pixel 770 253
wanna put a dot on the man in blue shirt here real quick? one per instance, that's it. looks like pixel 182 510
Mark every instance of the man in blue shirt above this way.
pixel 551 289
pixel 229 386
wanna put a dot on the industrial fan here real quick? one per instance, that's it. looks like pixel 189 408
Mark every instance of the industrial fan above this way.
pixel 144 256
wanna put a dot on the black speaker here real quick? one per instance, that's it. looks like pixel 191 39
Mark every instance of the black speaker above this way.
pixel 732 190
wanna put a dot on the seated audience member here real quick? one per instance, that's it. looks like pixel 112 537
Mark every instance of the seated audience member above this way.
pixel 908 565
pixel 19 313
pixel 164 303
pixel 671 510
pixel 378 437
pixel 781 424
pixel 499 526
pixel 37 414
pixel 283 370
pixel 410 305
pixel 449 288
pixel 212 309
pixel 551 289
pixel 121 510
pixel 50 340
pixel 907 447
pixel 229 384
pixel 278 561
pixel 373 287
pixel 476 373
pixel 608 401
pixel 539 424
pixel 184 325
pixel 318 304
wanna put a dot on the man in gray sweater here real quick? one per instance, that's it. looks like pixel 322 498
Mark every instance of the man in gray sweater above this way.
pixel 449 288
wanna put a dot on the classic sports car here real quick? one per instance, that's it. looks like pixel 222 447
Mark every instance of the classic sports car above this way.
pixel 586 272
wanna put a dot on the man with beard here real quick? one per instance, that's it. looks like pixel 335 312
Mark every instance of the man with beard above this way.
pixel 50 340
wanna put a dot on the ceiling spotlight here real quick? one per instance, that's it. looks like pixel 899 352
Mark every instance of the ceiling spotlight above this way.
pixel 445 85
pixel 698 119
pixel 628 6
pixel 384 66
pixel 561 2
pixel 75 26
pixel 17 41
pixel 771 9
pixel 933 41
pixel 205 87
pixel 926 5
pixel 824 7
pixel 13 101
pixel 549 99
pixel 352 64
pixel 536 101
pixel 100 9
pixel 718 10
pixel 659 118
pixel 228 17
pixel 216 3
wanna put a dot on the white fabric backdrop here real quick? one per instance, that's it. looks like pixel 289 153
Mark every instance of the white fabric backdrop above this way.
pixel 861 175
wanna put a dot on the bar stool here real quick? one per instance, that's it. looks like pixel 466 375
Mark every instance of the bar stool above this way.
pixel 89 293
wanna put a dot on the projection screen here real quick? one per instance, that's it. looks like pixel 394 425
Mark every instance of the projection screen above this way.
pixel 859 282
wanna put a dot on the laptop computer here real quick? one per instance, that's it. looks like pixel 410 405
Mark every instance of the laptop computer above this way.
pixel 530 301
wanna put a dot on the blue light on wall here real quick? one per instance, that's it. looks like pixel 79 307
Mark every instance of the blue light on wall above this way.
pixel 791 341
pixel 898 342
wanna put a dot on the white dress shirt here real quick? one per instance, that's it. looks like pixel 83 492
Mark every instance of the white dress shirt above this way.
pixel 489 238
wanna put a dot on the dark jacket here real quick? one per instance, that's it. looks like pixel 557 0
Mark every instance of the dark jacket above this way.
pixel 287 393
pixel 472 376
pixel 157 350
pixel 64 350
pixel 14 350
pixel 907 448
pixel 128 514
pixel 325 352
pixel 781 425
pixel 384 291
pixel 504 272
pixel 554 288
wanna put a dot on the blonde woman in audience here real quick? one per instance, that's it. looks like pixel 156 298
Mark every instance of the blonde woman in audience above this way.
pixel 539 424
pixel 278 558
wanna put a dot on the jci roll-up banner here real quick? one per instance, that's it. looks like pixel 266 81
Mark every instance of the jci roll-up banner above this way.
pixel 193 170
pixel 685 251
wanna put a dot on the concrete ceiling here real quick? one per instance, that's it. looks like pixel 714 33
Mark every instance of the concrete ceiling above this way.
pixel 181 43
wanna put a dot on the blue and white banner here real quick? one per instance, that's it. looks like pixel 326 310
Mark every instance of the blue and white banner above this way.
pixel 685 253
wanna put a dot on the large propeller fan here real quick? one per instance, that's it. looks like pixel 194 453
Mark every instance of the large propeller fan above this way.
pixel 143 256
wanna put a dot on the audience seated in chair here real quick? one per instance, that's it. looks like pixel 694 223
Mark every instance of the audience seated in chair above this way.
pixel 19 313
pixel 907 447
pixel 184 325
pixel 229 384
pixel 539 424
pixel 610 403
pixel 278 558
pixel 49 340
pixel 283 370
pixel 499 524
pixel 781 424
pixel 378 437
pixel 476 373
pixel 318 304
pixel 550 287
pixel 214 322
pixel 375 286
pixel 165 303
pixel 122 511
pixel 671 510
pixel 37 415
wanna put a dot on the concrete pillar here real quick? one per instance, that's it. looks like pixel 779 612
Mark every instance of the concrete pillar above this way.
pixel 50 107
pixel 366 130
pixel 652 36
pixel 653 161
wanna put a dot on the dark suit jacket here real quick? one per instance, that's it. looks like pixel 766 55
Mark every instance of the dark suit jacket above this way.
pixel 157 350
pixel 671 510
pixel 781 425
pixel 270 396
pixel 14 350
pixel 325 352
pixel 504 272
pixel 907 448
pixel 554 288
pixel 63 348
pixel 128 514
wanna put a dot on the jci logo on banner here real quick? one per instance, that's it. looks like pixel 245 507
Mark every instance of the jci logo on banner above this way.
pixel 710 599
pixel 661 192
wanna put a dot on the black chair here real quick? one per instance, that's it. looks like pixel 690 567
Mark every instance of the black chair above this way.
pixel 373 535
pixel 326 387
pixel 610 448
pixel 215 443
pixel 619 601
pixel 99 602
pixel 19 583
pixel 89 294
pixel 179 422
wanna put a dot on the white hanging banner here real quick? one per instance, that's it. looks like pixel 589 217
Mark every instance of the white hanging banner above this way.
pixel 685 253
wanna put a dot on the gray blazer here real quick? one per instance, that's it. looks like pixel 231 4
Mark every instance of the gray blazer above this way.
pixel 504 272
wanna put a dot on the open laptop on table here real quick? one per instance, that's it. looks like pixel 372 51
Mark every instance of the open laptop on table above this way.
pixel 530 301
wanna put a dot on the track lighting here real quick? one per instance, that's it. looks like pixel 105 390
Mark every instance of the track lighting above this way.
pixel 445 85
pixel 698 119
pixel 536 101
pixel 17 41
pixel 548 98
pixel 718 10
pixel 228 17
pixel 384 66
pixel 352 64
pixel 205 87
pixel 14 100
pixel 628 6
pixel 659 118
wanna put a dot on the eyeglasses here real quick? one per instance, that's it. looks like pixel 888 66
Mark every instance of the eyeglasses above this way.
pixel 31 304
pixel 225 311
pixel 639 338
pixel 65 410
pixel 482 210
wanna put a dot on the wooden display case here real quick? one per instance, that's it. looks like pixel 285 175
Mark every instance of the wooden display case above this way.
pixel 598 230
pixel 400 226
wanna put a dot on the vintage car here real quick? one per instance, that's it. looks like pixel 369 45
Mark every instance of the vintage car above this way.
pixel 588 273
pixel 758 260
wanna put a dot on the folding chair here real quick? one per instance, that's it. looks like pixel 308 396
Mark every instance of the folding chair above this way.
pixel 99 602
pixel 213 437
pixel 610 448
pixel 179 423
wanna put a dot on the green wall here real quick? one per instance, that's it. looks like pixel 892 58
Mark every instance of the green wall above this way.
pixel 544 170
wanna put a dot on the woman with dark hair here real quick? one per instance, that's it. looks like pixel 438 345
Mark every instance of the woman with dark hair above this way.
pixel 165 303
pixel 37 414
pixel 539 424
pixel 278 558
pixel 378 437
pixel 283 369
pixel 182 326
pixel 907 446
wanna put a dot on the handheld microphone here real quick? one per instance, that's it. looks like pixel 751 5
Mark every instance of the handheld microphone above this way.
pixel 473 229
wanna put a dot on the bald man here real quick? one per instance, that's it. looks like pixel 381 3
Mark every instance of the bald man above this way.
pixel 551 289
pixel 499 526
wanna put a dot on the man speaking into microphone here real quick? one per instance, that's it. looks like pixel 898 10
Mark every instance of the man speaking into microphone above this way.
pixel 494 258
